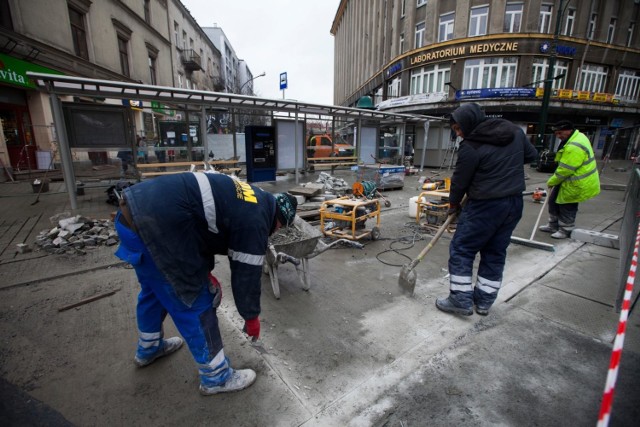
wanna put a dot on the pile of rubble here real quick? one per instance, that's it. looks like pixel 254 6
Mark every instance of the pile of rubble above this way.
pixel 332 184
pixel 74 234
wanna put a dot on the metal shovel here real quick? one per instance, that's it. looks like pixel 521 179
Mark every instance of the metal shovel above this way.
pixel 407 279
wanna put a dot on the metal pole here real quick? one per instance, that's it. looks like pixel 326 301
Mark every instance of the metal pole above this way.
pixel 65 151
pixel 203 133
pixel 233 130
pixel 424 144
pixel 548 82
pixel 295 144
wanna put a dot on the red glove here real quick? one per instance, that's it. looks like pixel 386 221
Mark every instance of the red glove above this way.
pixel 252 327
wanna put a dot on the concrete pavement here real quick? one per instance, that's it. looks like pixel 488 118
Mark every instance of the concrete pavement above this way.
pixel 350 351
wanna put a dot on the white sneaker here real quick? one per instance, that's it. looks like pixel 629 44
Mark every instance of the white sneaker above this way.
pixel 239 380
pixel 169 346
pixel 560 234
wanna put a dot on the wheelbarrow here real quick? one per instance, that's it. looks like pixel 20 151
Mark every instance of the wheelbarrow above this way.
pixel 304 245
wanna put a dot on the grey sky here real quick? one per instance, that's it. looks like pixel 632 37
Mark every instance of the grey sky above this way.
pixel 278 36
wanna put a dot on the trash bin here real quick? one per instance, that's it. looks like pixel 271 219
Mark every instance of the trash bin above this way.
pixel 40 185
pixel 79 188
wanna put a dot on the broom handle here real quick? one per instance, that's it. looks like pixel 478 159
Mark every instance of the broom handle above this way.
pixel 535 227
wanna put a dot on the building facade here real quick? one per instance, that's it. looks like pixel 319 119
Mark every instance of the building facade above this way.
pixel 429 56
pixel 155 42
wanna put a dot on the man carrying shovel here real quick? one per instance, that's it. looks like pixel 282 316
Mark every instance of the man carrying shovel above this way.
pixel 170 229
pixel 490 171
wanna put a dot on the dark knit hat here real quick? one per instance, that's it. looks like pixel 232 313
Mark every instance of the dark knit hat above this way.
pixel 563 125
pixel 286 206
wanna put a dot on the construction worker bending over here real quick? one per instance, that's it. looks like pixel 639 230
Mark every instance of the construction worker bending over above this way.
pixel 170 229
pixel 490 171
pixel 575 179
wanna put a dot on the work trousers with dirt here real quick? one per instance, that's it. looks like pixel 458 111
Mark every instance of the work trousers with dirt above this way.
pixel 561 216
pixel 197 324
pixel 484 227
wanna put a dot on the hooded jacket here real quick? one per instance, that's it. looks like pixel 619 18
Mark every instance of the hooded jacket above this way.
pixel 186 219
pixel 577 170
pixel 490 158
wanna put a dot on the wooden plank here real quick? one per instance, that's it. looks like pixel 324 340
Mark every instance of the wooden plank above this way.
pixel 332 159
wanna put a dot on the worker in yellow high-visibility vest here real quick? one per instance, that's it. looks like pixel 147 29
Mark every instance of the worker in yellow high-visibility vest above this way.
pixel 574 180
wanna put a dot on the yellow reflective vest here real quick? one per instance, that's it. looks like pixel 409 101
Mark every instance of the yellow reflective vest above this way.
pixel 577 172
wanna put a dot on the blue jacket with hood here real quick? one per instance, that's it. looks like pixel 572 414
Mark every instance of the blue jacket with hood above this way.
pixel 490 158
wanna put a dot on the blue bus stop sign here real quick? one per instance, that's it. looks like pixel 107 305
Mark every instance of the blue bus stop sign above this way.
pixel 283 80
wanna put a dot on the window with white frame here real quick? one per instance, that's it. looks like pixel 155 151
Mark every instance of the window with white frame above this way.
pixel 403 9
pixel 420 29
pixel 401 44
pixel 489 73
pixel 569 22
pixel 420 3
pixel 393 89
pixel 445 27
pixel 429 79
pixel 123 53
pixel 513 18
pixel 611 31
pixel 478 21
pixel 630 33
pixel 628 86
pixel 592 26
pixel 176 32
pixel 593 78
pixel 544 26
pixel 180 77
pixel 540 69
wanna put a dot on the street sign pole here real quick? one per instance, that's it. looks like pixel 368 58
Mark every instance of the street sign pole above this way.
pixel 283 82
pixel 544 110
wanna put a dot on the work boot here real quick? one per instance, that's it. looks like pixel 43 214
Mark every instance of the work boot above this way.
pixel 482 311
pixel 446 305
pixel 561 234
pixel 239 380
pixel 549 228
pixel 168 346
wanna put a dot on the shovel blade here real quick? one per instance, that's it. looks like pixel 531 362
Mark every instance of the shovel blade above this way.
pixel 407 280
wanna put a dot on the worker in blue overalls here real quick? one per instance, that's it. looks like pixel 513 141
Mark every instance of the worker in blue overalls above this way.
pixel 490 172
pixel 170 229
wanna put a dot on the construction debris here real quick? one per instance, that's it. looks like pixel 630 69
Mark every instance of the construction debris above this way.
pixel 72 235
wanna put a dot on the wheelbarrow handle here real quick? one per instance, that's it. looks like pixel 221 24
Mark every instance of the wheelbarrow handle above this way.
pixel 283 258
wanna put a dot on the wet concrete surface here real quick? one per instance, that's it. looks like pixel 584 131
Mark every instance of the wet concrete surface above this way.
pixel 352 350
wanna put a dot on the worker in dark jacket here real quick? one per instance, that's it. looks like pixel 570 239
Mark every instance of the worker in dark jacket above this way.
pixel 490 171
pixel 170 229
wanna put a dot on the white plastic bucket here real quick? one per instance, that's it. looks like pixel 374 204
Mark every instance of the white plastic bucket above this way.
pixel 413 206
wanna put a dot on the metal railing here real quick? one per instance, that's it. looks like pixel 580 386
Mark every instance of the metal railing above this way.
pixel 628 231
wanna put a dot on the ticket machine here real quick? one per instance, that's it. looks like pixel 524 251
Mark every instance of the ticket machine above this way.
pixel 260 143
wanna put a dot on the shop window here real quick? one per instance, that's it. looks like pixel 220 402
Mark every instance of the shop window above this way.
pixel 540 69
pixel 593 78
pixel 430 79
pixel 628 86
pixel 489 73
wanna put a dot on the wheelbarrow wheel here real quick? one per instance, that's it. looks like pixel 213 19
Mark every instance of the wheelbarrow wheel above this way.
pixel 375 233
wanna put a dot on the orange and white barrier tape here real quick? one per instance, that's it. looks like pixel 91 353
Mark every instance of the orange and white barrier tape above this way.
pixel 616 353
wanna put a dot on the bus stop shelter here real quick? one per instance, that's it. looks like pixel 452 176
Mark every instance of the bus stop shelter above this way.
pixel 198 103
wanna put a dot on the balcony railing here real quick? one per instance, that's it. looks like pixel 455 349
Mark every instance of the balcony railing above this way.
pixel 191 60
